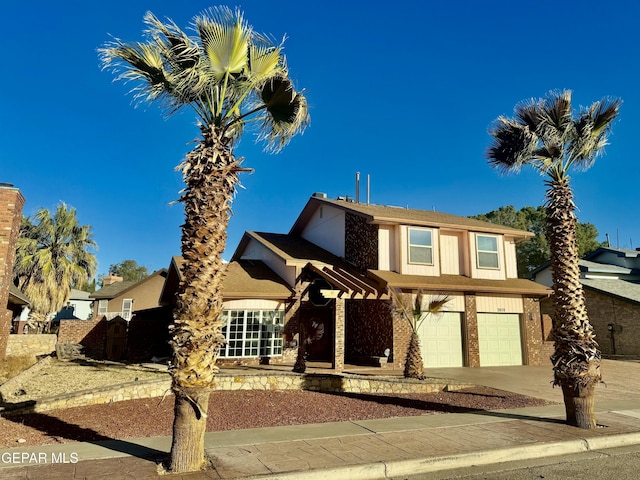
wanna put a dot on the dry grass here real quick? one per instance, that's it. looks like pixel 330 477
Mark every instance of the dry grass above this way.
pixel 12 366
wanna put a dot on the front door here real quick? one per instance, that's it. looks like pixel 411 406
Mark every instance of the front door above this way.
pixel 318 333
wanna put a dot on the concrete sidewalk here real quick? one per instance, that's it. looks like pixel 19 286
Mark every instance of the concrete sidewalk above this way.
pixel 372 449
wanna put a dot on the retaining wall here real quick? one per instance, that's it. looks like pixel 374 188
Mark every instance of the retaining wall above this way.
pixel 37 344
pixel 279 381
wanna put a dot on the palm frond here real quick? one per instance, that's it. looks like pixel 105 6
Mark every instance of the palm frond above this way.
pixel 513 145
pixel 225 38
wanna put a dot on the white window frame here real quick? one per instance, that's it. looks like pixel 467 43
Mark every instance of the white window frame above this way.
pixel 252 333
pixel 127 312
pixel 103 306
pixel 495 252
pixel 410 245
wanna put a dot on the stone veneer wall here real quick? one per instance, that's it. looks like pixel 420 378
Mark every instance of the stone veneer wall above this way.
pixel 369 329
pixel 41 344
pixel 276 381
pixel 471 331
pixel 361 242
pixel 11 203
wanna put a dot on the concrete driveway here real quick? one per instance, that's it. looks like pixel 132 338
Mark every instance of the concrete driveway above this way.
pixel 622 380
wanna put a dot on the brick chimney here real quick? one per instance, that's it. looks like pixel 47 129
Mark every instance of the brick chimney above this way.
pixel 11 203
pixel 111 279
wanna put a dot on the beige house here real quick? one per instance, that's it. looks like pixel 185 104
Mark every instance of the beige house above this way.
pixel 123 299
pixel 332 272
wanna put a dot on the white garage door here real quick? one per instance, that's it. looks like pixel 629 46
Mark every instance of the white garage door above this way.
pixel 499 339
pixel 441 340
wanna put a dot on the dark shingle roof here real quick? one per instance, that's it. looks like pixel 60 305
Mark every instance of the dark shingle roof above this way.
pixel 113 290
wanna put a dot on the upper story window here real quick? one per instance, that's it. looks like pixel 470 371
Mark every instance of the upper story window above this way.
pixel 102 306
pixel 420 246
pixel 487 248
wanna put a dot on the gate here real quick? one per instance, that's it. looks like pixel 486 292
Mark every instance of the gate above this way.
pixel 116 339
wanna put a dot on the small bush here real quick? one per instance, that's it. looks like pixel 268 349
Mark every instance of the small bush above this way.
pixel 13 365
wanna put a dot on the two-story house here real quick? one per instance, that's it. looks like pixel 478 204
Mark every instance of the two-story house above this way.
pixel 332 273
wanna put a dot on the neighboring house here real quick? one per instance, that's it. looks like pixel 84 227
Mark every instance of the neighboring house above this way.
pixel 79 306
pixel 332 271
pixel 118 298
pixel 18 305
pixel 611 282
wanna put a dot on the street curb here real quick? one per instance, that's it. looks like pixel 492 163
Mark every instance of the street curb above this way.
pixel 399 468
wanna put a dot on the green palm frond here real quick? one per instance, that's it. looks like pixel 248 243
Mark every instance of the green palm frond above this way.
pixel 225 38
pixel 52 256
pixel 226 73
pixel 545 135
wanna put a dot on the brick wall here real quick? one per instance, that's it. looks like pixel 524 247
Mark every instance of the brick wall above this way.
pixel 603 310
pixel 11 203
pixel 622 314
pixel 338 362
pixel 91 334
pixel 536 330
pixel 369 329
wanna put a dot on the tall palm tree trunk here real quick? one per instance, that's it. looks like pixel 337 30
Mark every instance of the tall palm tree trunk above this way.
pixel 211 175
pixel 576 359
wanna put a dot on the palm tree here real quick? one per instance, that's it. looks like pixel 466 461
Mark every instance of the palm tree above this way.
pixel 547 135
pixel 414 313
pixel 52 256
pixel 231 77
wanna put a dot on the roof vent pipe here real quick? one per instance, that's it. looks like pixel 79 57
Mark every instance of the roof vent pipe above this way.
pixel 368 188
pixel 357 187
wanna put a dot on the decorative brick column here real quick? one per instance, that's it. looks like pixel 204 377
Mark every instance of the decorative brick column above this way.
pixel 11 203
pixel 533 333
pixel 472 352
pixel 338 357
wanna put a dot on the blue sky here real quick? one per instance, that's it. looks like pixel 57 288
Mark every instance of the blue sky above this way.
pixel 402 91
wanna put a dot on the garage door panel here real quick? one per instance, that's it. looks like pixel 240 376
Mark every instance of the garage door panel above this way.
pixel 499 339
pixel 441 340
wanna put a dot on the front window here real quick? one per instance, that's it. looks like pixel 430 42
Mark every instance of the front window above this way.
pixel 420 246
pixel 252 333
pixel 487 248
